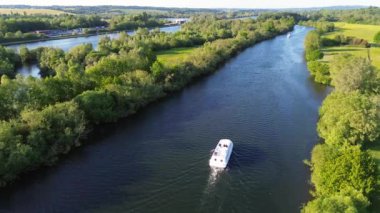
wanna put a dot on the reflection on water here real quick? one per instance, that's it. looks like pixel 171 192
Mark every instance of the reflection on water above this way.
pixel 212 179
pixel 29 70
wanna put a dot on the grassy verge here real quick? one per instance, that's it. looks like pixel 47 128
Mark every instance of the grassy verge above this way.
pixel 172 56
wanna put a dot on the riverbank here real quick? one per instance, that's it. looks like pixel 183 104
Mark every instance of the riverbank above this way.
pixel 348 124
pixel 75 36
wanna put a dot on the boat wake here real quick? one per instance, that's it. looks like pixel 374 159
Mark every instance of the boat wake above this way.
pixel 209 194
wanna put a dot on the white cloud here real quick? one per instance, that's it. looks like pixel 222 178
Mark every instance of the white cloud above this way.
pixel 202 3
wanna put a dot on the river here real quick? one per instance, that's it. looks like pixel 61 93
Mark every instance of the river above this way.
pixel 68 43
pixel 157 159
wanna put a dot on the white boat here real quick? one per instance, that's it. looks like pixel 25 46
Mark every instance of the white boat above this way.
pixel 289 34
pixel 221 154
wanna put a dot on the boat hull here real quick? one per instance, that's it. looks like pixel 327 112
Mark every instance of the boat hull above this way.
pixel 221 154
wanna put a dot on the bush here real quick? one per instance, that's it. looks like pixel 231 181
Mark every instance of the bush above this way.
pixel 320 71
pixel 341 202
pixel 336 169
pixel 350 118
pixel 99 106
pixel 312 55
pixel 377 38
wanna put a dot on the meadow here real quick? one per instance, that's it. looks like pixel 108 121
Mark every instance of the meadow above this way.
pixel 364 31
pixel 174 55
pixel 7 11
pixel 357 30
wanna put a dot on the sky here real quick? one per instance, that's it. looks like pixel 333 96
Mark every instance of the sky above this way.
pixel 202 3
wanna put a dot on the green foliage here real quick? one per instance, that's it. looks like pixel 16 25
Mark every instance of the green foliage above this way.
pixel 341 168
pixel 377 38
pixel 99 106
pixel 369 15
pixel 350 118
pixel 128 22
pixel 48 133
pixel 9 60
pixel 341 202
pixel 320 26
pixel 312 41
pixel 312 55
pixel 320 71
pixel 350 73
pixel 49 60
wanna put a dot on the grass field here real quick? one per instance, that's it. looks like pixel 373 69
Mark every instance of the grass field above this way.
pixel 30 11
pixel 357 30
pixel 364 31
pixel 174 55
pixel 374 53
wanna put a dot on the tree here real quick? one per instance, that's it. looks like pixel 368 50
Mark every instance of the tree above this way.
pixel 350 118
pixel 55 129
pixel 312 55
pixel 350 73
pixel 377 38
pixel 320 71
pixel 26 55
pixel 342 168
pixel 99 106
pixel 312 41
pixel 341 202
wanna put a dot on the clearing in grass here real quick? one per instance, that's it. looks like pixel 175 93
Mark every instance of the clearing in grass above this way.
pixel 172 56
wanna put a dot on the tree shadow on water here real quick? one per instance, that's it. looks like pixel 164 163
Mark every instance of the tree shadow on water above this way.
pixel 246 155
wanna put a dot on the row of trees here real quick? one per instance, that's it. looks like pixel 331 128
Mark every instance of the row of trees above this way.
pixel 43 118
pixel 344 175
pixel 318 70
pixel 369 15
pixel 14 23
pixel 129 22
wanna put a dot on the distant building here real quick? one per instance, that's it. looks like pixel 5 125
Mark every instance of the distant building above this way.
pixel 180 21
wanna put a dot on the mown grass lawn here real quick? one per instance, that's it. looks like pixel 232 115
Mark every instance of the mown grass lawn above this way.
pixel 174 55
pixel 364 31
pixel 374 53
pixel 30 11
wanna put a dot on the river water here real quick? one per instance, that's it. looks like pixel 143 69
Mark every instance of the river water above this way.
pixel 157 159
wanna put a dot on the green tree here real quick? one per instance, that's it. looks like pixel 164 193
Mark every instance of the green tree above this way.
pixel 99 106
pixel 349 118
pixel 377 38
pixel 312 41
pixel 350 73
pixel 342 168
pixel 341 202
pixel 320 71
